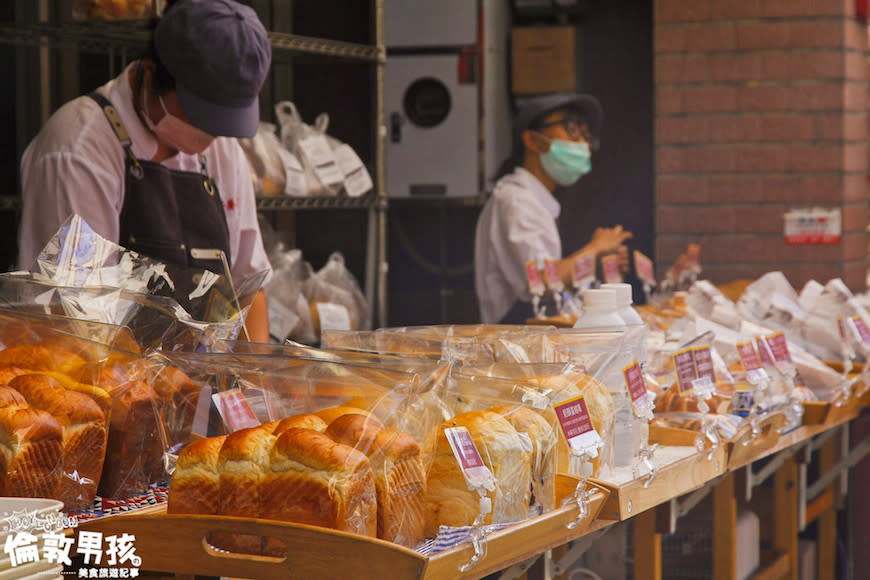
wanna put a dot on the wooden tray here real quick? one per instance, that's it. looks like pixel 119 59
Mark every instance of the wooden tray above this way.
pixel 176 544
pixel 672 480
pixel 742 449
pixel 557 321
pixel 824 412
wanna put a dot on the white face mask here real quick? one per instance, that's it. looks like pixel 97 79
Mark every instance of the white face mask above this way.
pixel 176 133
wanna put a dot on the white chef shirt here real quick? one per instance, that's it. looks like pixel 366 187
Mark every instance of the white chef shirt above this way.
pixel 517 224
pixel 75 165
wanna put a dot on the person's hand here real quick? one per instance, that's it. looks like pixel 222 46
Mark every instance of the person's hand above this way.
pixel 610 239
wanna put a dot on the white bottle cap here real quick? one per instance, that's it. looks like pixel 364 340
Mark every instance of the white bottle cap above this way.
pixel 600 299
pixel 623 293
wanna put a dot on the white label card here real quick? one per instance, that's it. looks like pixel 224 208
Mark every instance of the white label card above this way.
pixel 576 424
pixel 295 184
pixel 333 316
pixel 316 149
pixel 282 320
pixel 476 473
pixel 357 180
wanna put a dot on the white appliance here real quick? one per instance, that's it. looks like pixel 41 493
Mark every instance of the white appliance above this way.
pixel 430 23
pixel 432 128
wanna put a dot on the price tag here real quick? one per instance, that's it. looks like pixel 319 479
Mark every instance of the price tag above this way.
pixel 584 271
pixel 533 275
pixel 476 473
pixel 333 316
pixel 749 357
pixel 704 363
pixel 295 184
pixel 640 397
pixel 778 347
pixel 610 267
pixel 703 387
pixel 551 272
pixel 644 268
pixel 235 410
pixel 282 320
pixel 684 365
pixel 316 149
pixel 357 180
pixel 574 419
pixel 861 329
pixel 763 351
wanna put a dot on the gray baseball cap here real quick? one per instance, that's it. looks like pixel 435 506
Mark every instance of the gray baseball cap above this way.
pixel 219 54
pixel 536 108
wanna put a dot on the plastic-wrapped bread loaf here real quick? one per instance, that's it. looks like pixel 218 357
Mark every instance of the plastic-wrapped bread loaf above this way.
pixel 317 481
pixel 31 441
pixel 304 421
pixel 84 435
pixel 7 373
pixel 41 358
pixel 196 480
pixel 400 479
pixel 449 501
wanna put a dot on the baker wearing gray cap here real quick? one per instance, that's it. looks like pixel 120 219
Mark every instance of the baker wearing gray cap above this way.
pixel 143 159
pixel 553 138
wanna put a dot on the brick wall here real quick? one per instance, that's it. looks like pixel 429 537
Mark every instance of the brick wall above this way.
pixel 761 106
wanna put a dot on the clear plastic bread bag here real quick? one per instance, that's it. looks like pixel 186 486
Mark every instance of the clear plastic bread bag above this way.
pixel 266 160
pixel 313 148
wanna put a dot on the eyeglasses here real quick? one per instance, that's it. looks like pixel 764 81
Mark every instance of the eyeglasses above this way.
pixel 576 131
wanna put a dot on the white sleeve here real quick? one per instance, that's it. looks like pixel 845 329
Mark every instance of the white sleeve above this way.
pixel 58 185
pixel 250 257
pixel 529 235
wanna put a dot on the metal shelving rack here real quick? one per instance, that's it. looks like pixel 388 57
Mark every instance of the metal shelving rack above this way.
pixel 122 36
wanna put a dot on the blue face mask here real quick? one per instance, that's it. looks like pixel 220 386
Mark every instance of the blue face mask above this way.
pixel 566 161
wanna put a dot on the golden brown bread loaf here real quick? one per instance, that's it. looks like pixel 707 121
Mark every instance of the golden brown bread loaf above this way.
pixel 400 479
pixel 9 397
pixel 7 373
pixel 41 358
pixel 544 450
pixel 84 435
pixel 195 484
pixel 315 480
pixel 304 421
pixel 179 395
pixel 31 443
pixel 672 401
pixel 332 413
pixel 449 501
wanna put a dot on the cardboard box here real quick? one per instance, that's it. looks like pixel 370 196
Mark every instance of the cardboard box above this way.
pixel 543 59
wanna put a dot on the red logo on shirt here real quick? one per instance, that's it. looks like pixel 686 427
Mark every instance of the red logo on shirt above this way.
pixel 230 204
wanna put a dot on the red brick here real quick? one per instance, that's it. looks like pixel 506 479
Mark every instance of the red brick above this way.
pixel 669 220
pixel 670 159
pixel 822 188
pixel 817 97
pixel 710 37
pixel 670 39
pixel 682 189
pixel 669 248
pixel 707 219
pixel 856 66
pixel 711 160
pixel 787 128
pixel 722 274
pixel 856 35
pixel 855 188
pixel 682 11
pixel 856 127
pixel 854 274
pixel 765 98
pixel 762 35
pixel 735 10
pixel 818 65
pixel 800 274
pixel 736 67
pixel 788 8
pixel 669 100
pixel 855 217
pixel 782 188
pixel 854 246
pixel 709 99
pixel 762 158
pixel 856 158
pixel 735 189
pixel 828 127
pixel 778 65
pixel 856 97
pixel 818 157
pixel 671 130
pixel 682 68
pixel 758 219
pixel 814 33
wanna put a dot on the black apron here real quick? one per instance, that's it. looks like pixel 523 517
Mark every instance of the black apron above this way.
pixel 174 216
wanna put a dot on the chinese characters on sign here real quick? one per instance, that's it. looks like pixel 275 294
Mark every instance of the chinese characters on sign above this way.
pixel 23 547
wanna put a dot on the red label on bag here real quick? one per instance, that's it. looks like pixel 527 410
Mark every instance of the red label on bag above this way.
pixel 862 329
pixel 748 356
pixel 763 351
pixel 551 271
pixel 644 268
pixel 704 363
pixel 841 326
pixel 779 347
pixel 584 270
pixel 463 447
pixel 634 381
pixel 610 267
pixel 684 365
pixel 574 417
pixel 536 284
pixel 235 410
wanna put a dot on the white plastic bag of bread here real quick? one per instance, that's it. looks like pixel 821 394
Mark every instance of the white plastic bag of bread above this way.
pixel 558 382
pixel 345 458
pixel 109 405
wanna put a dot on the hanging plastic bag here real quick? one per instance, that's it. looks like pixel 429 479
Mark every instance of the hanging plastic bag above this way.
pixel 335 272
pixel 311 145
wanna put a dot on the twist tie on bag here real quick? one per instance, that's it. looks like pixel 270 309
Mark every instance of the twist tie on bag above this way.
pixel 479 478
pixel 581 497
pixel 645 465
